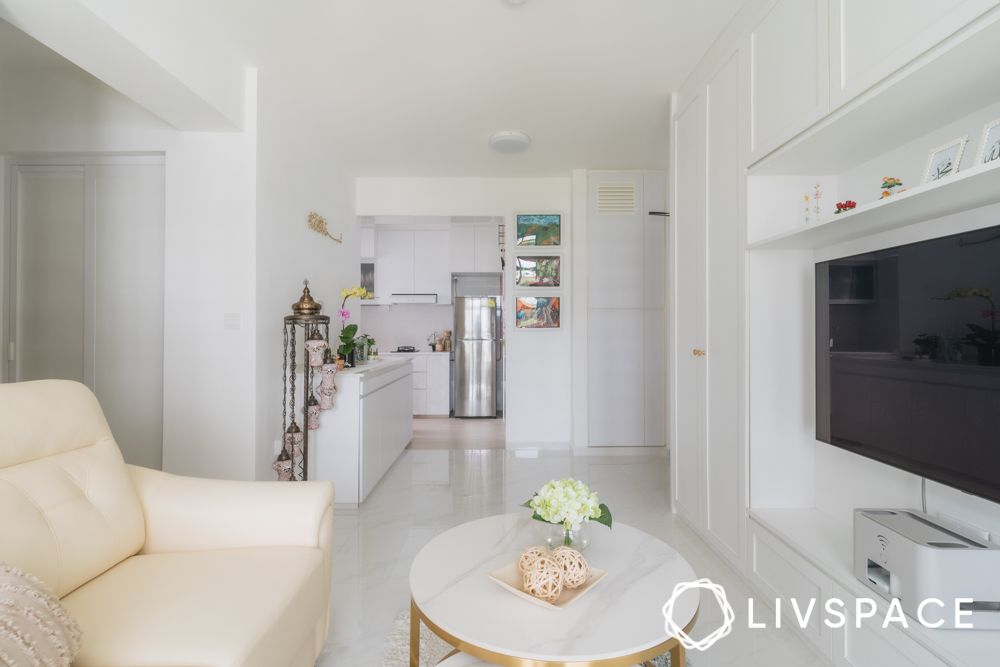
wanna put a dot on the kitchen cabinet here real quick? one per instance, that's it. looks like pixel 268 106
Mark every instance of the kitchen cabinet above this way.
pixel 871 40
pixel 474 248
pixel 431 253
pixel 367 242
pixel 412 262
pixel 431 382
pixel 789 73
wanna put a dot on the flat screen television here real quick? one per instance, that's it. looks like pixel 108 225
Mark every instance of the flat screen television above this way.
pixel 908 358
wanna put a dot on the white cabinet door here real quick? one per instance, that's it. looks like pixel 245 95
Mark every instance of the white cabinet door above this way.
pixel 431 251
pixel 438 385
pixel 367 241
pixel 723 453
pixel 462 255
pixel 616 404
pixel 393 263
pixel 788 72
pixel 373 414
pixel 871 40
pixel 487 248
pixel 688 216
pixel 615 228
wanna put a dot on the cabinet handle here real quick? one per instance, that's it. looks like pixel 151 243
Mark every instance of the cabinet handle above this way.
pixel 698 352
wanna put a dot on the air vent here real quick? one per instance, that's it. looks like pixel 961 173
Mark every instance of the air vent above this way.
pixel 615 198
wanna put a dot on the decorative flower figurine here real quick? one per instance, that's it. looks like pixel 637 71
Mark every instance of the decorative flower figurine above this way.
pixel 843 206
pixel 568 504
pixel 888 183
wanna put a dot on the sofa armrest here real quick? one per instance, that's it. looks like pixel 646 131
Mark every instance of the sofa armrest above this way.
pixel 194 514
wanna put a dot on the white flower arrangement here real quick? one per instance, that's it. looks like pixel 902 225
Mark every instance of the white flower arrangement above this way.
pixel 568 502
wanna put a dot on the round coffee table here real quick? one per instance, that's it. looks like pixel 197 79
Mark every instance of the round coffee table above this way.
pixel 618 623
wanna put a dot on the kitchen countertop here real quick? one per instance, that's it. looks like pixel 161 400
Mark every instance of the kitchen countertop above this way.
pixel 374 367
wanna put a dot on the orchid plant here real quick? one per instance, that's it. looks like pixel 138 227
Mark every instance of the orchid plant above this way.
pixel 348 331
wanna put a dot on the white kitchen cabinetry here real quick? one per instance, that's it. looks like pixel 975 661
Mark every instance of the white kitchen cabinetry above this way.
pixel 430 264
pixel 369 426
pixel 367 241
pixel 789 73
pixel 871 40
pixel 431 382
pixel 411 262
pixel 626 253
pixel 393 263
pixel 474 248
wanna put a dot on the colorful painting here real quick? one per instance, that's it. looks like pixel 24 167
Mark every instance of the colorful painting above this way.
pixel 539 229
pixel 537 312
pixel 537 271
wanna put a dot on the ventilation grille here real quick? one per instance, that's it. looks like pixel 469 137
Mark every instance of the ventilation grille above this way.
pixel 615 198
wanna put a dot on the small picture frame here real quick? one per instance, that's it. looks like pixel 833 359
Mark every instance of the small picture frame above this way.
pixel 537 271
pixel 538 229
pixel 945 160
pixel 989 148
pixel 537 312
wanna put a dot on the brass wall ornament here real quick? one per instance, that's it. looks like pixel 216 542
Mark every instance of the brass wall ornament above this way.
pixel 317 223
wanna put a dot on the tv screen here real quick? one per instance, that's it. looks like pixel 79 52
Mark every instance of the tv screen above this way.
pixel 908 358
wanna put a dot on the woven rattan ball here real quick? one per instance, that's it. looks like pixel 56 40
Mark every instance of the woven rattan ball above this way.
pixel 529 557
pixel 544 580
pixel 575 568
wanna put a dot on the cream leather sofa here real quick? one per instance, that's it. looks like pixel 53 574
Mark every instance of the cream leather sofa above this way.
pixel 159 570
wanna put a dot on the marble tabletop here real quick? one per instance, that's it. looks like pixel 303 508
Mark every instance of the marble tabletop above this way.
pixel 620 616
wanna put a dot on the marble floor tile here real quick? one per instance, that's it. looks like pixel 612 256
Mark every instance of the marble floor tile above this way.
pixel 430 490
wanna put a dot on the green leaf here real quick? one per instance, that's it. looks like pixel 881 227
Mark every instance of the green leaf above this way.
pixel 527 503
pixel 605 517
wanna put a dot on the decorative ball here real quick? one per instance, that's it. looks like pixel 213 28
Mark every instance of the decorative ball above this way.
pixel 544 580
pixel 528 558
pixel 575 568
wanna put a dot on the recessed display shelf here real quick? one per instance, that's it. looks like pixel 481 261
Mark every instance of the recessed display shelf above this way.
pixel 967 190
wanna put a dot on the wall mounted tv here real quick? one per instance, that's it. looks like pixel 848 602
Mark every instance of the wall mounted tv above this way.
pixel 908 358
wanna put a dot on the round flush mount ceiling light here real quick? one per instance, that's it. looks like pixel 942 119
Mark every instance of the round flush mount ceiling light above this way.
pixel 515 2
pixel 510 141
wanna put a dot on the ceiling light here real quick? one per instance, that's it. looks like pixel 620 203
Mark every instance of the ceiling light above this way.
pixel 515 2
pixel 510 141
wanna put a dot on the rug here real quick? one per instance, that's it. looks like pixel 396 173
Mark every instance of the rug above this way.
pixel 396 651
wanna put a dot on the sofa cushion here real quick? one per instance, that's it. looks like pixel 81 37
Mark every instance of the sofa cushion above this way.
pixel 227 607
pixel 68 509
pixel 34 628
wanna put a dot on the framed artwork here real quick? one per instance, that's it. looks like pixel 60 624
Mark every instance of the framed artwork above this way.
pixel 537 312
pixel 945 160
pixel 534 229
pixel 537 271
pixel 989 149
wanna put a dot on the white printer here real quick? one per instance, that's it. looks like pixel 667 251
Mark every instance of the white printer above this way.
pixel 906 554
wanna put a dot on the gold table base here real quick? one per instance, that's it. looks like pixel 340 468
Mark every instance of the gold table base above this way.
pixel 672 645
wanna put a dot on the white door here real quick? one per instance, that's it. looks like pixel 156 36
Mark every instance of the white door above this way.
pixel 87 291
pixel 688 215
pixel 723 455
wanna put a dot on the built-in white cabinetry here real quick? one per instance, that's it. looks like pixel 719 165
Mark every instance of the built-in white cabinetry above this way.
pixel 412 262
pixel 626 256
pixel 789 71
pixel 709 451
pixel 474 248
pixel 431 382
pixel 871 40
pixel 430 264
pixel 367 241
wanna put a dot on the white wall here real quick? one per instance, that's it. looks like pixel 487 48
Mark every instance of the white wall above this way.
pixel 539 363
pixel 405 324
pixel 209 372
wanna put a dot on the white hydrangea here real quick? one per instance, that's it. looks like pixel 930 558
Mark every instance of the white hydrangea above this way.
pixel 566 501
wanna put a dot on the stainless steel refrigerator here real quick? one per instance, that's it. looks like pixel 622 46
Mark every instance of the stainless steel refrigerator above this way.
pixel 477 355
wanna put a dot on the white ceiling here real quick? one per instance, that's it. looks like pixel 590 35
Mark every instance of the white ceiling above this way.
pixel 415 87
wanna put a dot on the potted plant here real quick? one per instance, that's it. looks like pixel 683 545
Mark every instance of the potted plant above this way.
pixel 348 331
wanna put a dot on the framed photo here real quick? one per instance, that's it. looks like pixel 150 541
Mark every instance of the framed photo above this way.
pixel 989 149
pixel 537 312
pixel 538 229
pixel 537 271
pixel 945 160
